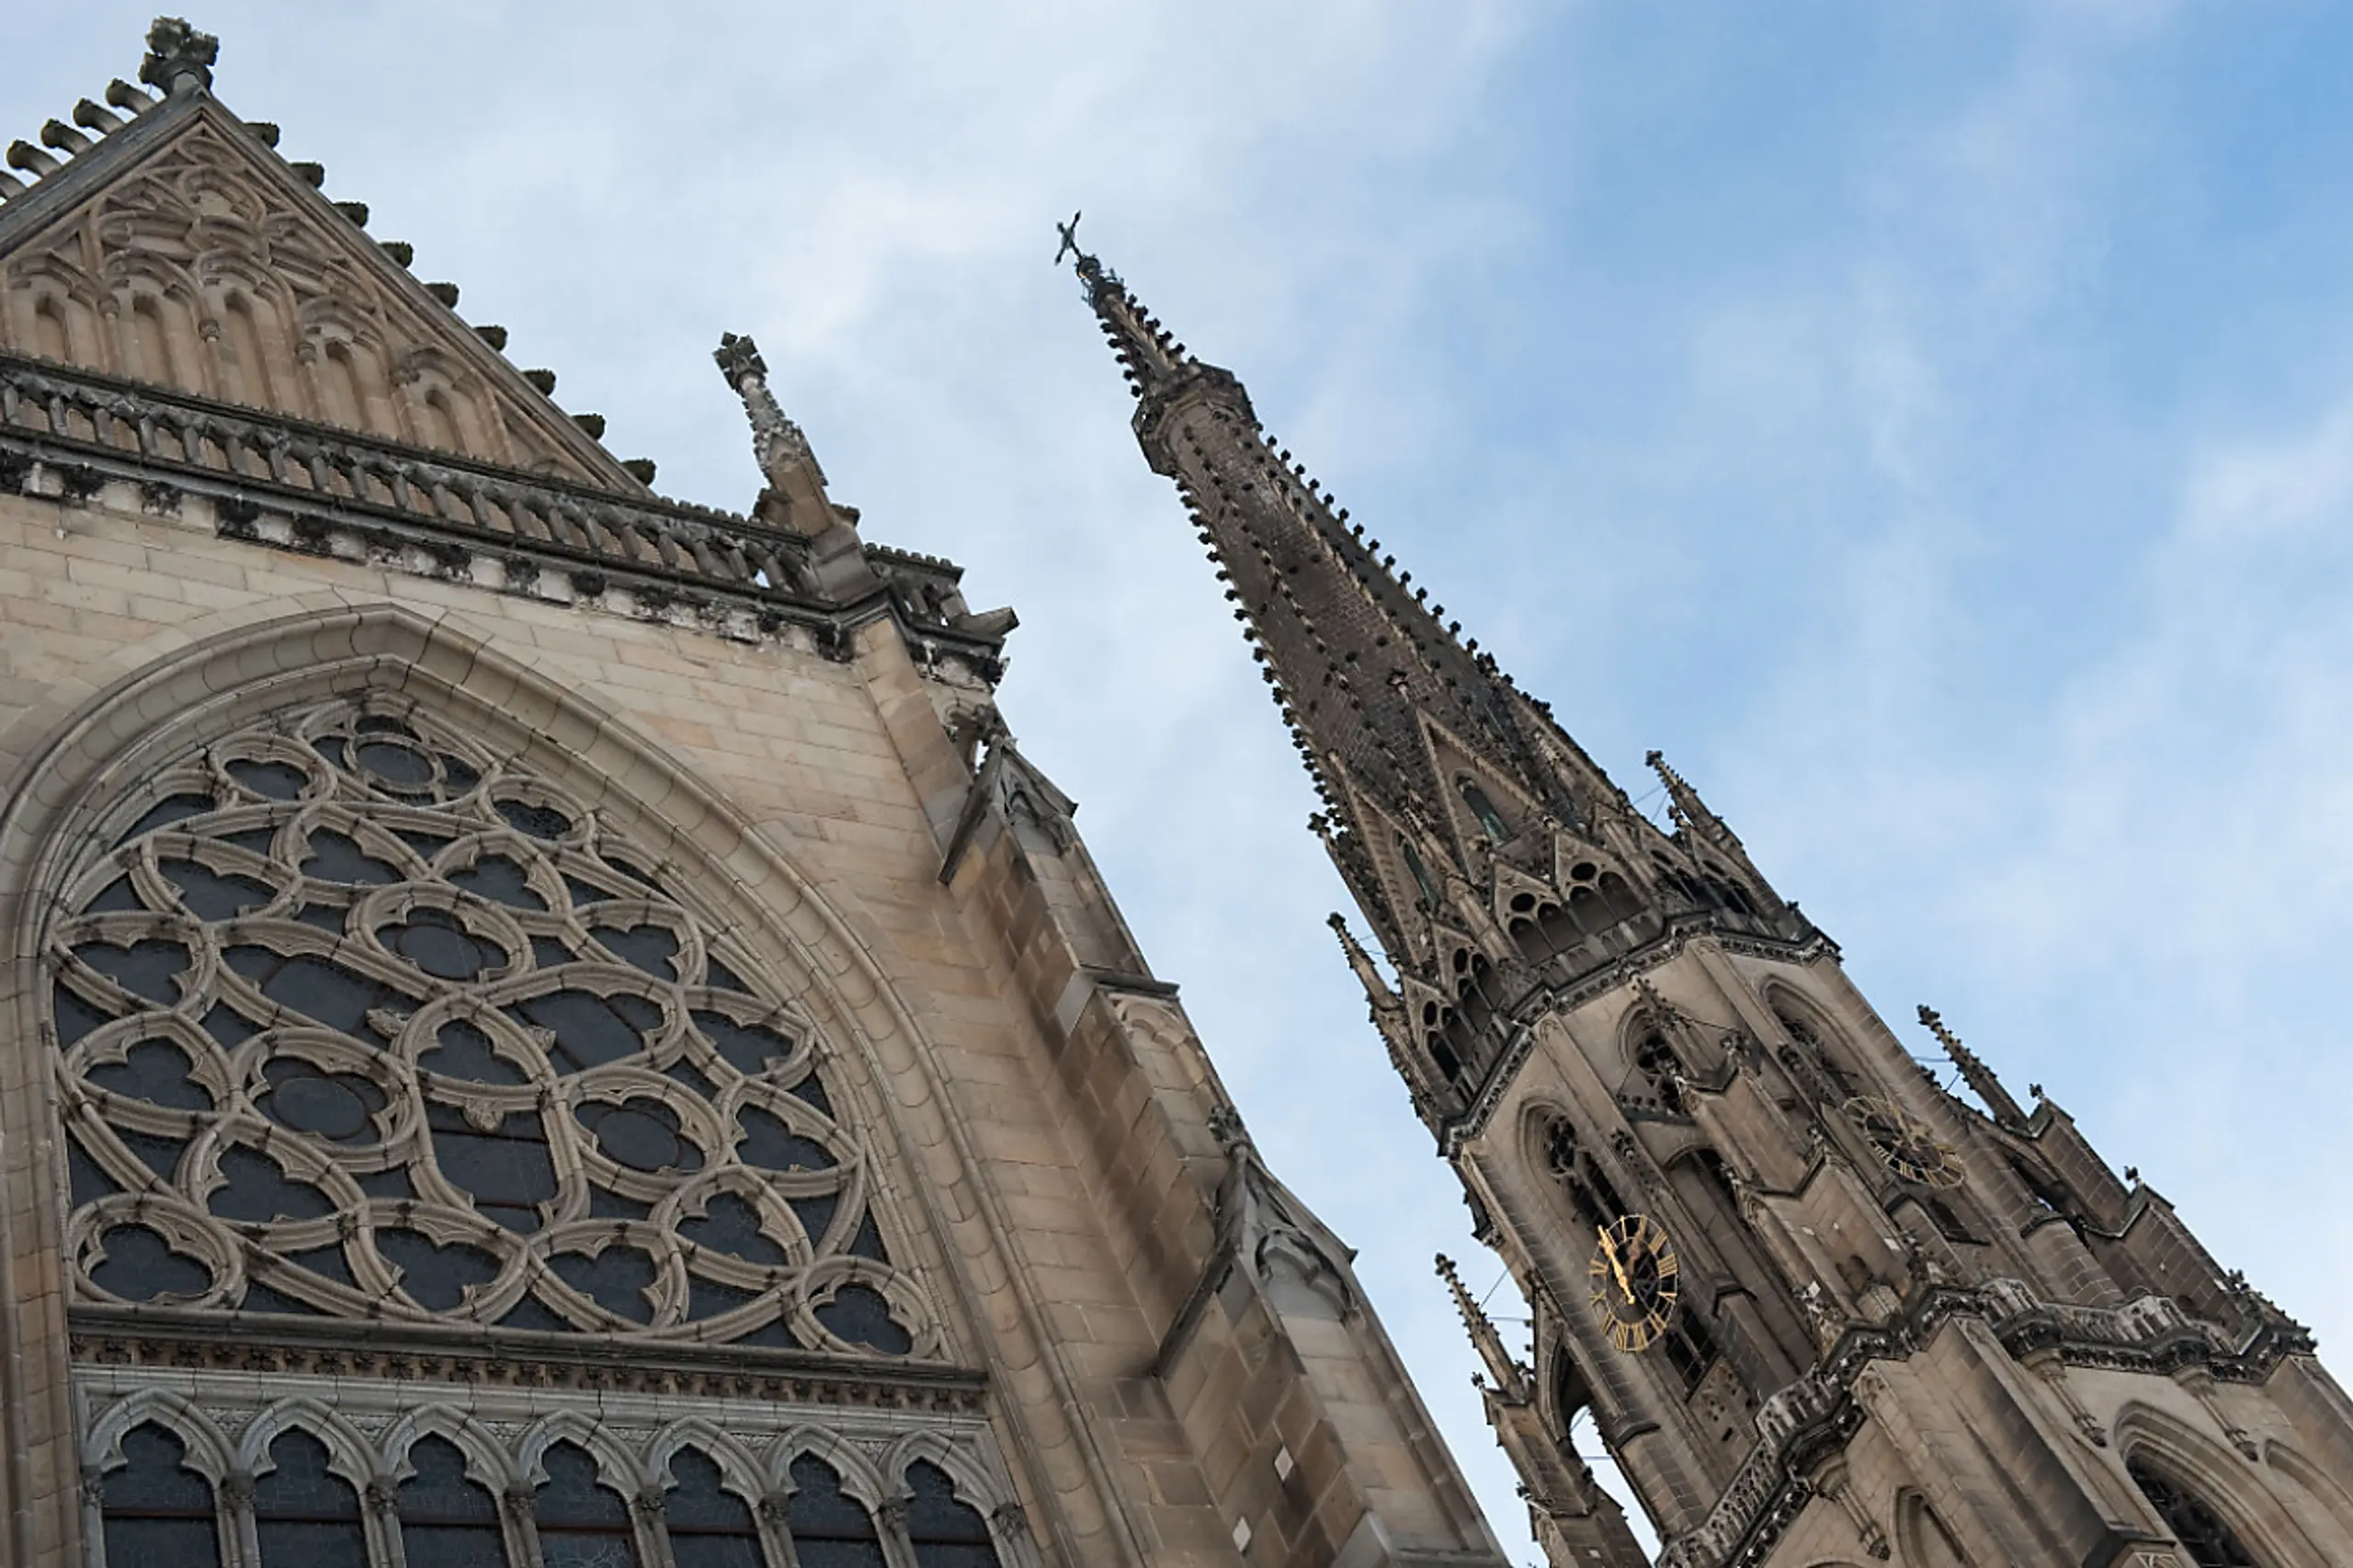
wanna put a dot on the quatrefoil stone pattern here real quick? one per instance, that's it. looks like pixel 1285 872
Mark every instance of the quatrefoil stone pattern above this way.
pixel 359 1019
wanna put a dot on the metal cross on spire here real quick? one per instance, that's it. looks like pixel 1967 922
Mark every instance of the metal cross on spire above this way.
pixel 1069 232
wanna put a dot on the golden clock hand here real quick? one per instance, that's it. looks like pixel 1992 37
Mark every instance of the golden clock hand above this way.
pixel 1616 1264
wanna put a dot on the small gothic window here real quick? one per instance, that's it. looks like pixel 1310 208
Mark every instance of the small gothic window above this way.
pixel 1689 1348
pixel 947 1532
pixel 581 1524
pixel 710 1526
pixel 1662 1071
pixel 2210 1542
pixel 830 1529
pixel 1589 1191
pixel 1421 873
pixel 448 1519
pixel 156 1511
pixel 1491 821
pixel 304 1514
pixel 1818 1054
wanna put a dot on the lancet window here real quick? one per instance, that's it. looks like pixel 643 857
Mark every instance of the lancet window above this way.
pixel 358 1020
pixel 2210 1542
pixel 1483 810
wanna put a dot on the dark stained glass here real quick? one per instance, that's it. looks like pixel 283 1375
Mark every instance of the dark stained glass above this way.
pixel 733 1226
pixel 167 810
pixel 398 767
pixel 435 1276
pixel 155 1071
pixel 86 1181
pixel 115 897
pixel 501 880
pixel 747 1047
pixel 437 944
pixel 141 1265
pixel 464 1051
pixel 859 1314
pixel 258 1188
pixel 2210 1542
pixel 641 1134
pixel 337 858
pixel 151 968
pixel 947 1532
pixel 157 1513
pixel 540 821
pixel 867 1242
pixel 767 1141
pixel 271 781
pixel 829 1528
pixel 581 1524
pixel 327 1262
pixel 317 989
pixel 213 895
pixel 304 1514
pixel 616 1279
pixel 340 1107
pixel 73 1016
pixel 650 947
pixel 448 1519
pixel 710 1526
pixel 590 1031
pixel 507 1169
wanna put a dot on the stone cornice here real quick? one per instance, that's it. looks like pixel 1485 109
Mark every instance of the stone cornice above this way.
pixel 272 480
pixel 134 1336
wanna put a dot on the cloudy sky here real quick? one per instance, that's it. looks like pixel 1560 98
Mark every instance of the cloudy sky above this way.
pixel 1932 425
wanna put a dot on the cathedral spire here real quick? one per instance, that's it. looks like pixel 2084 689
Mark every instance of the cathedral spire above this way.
pixel 1370 676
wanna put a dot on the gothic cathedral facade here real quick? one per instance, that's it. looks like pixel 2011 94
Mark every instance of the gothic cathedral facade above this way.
pixel 551 1026
pixel 548 1026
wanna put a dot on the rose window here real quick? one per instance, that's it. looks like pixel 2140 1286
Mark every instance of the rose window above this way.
pixel 360 1021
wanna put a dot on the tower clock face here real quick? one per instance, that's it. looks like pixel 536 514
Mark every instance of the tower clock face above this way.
pixel 1634 1277
pixel 1908 1146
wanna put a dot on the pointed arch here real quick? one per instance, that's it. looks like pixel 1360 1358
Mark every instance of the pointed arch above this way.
pixel 210 1452
pixel 355 1458
pixel 487 1459
pixel 617 1468
pixel 1924 1538
pixel 738 1465
pixel 2163 1453
pixel 861 1478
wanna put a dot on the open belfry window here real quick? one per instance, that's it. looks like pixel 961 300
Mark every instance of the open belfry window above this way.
pixel 2211 1542
pixel 1483 810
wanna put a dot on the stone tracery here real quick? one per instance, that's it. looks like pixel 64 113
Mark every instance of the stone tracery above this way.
pixel 359 1020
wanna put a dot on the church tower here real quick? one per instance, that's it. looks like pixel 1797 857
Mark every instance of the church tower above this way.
pixel 1819 1308
pixel 543 1025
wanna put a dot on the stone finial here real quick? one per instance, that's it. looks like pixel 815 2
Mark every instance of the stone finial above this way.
pixel 1978 1077
pixel 177 52
pixel 779 445
pixel 1512 1379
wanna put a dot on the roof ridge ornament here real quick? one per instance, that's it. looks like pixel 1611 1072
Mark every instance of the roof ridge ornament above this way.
pixel 177 53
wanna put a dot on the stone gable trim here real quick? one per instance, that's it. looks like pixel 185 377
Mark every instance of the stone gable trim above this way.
pixel 315 490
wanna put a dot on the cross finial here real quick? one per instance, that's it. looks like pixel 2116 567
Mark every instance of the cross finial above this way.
pixel 1069 232
pixel 176 51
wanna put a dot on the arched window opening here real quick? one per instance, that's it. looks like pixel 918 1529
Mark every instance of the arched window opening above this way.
pixel 1491 821
pixel 248 375
pixel 946 1531
pixel 830 1529
pixel 1817 1055
pixel 1589 1192
pixel 710 1526
pixel 1421 873
pixel 305 1516
pixel 51 339
pixel 1689 1348
pixel 441 423
pixel 346 404
pixel 156 1512
pixel 448 1519
pixel 1660 1069
pixel 2210 1542
pixel 581 1524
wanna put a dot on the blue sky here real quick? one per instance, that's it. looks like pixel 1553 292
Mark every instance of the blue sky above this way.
pixel 1931 424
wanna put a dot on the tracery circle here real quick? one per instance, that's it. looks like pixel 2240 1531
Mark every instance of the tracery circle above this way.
pixel 423 1028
